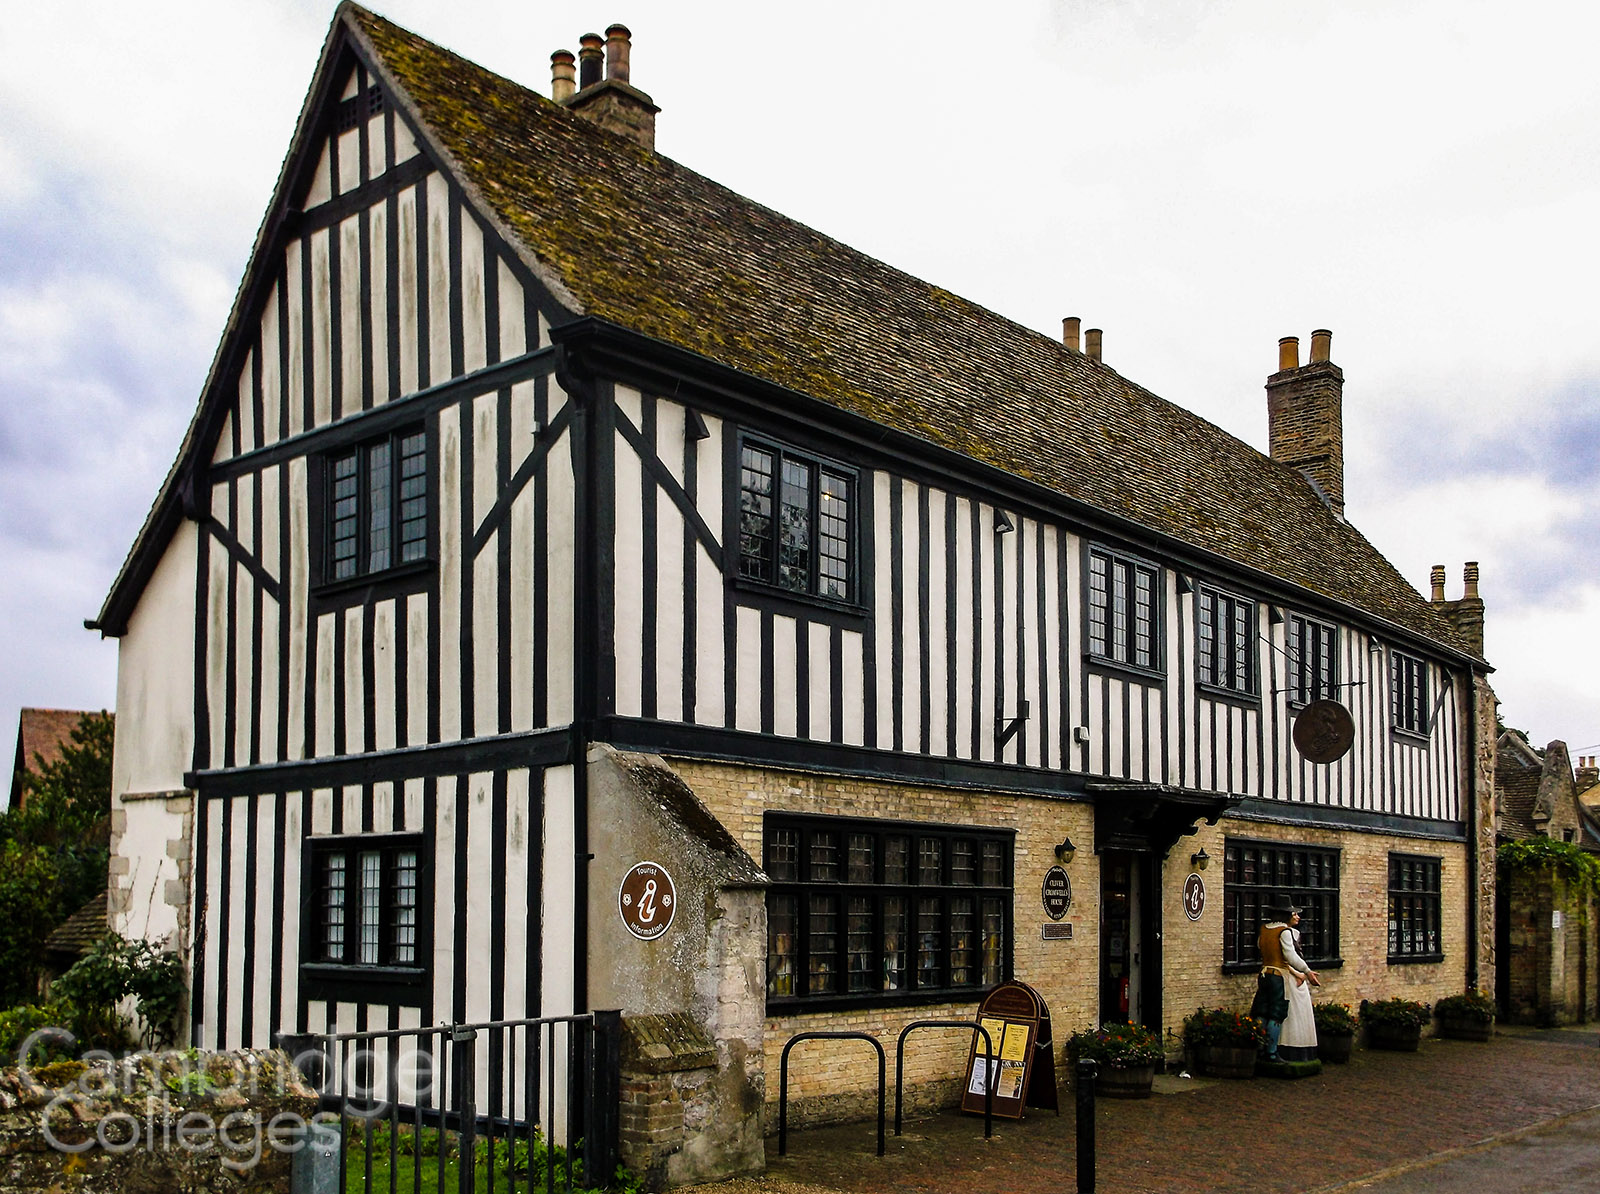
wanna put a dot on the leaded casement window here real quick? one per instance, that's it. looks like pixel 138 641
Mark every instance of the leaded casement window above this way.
pixel 797 517
pixel 1408 692
pixel 365 913
pixel 376 498
pixel 1123 610
pixel 1226 626
pixel 1313 650
pixel 1260 876
pixel 1415 908
pixel 867 912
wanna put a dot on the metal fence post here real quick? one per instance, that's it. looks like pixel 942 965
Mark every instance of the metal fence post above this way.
pixel 600 1144
pixel 1084 1091
pixel 464 1055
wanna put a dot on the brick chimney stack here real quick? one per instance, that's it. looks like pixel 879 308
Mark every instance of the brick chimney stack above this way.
pixel 611 102
pixel 1467 614
pixel 1588 774
pixel 1305 415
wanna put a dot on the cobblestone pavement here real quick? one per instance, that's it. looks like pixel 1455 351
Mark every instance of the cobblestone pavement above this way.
pixel 1381 1112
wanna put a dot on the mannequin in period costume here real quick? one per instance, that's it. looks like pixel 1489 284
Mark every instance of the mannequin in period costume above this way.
pixel 1283 994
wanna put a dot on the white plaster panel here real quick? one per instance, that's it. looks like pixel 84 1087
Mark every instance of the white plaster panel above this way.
pixel 785 658
pixel 451 549
pixel 405 282
pixel 155 675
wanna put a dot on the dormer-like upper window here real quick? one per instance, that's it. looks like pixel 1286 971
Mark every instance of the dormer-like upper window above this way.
pixel 796 521
pixel 1124 615
pixel 1313 648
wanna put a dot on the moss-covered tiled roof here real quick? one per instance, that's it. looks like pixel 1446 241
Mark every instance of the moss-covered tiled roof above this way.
pixel 639 240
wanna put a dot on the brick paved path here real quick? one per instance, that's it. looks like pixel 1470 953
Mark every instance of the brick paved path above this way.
pixel 1381 1110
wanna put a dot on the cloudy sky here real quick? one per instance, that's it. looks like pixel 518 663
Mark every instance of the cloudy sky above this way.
pixel 1196 179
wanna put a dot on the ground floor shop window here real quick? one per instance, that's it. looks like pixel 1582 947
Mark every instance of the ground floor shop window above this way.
pixel 1414 913
pixel 884 911
pixel 1259 877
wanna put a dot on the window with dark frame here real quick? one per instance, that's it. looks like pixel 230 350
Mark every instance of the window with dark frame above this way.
pixel 1408 692
pixel 1261 876
pixel 365 903
pixel 884 911
pixel 1313 650
pixel 1415 908
pixel 376 495
pixel 1226 626
pixel 1123 617
pixel 796 521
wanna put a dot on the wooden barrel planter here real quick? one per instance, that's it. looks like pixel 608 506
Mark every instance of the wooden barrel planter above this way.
pixel 1228 1061
pixel 1133 1082
pixel 1335 1047
pixel 1398 1038
pixel 1466 1028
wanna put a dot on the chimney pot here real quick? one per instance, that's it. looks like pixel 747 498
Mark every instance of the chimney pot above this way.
pixel 1305 416
pixel 562 76
pixel 591 53
pixel 1092 343
pixel 618 43
pixel 1437 580
pixel 1069 332
pixel 1470 576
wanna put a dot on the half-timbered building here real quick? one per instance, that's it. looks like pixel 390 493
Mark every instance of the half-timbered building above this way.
pixel 527 450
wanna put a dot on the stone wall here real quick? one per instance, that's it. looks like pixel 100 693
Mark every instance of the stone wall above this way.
pixel 693 998
pixel 1555 955
pixel 166 1123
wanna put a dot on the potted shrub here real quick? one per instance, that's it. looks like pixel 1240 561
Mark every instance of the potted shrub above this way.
pixel 1224 1043
pixel 1394 1023
pixel 1126 1054
pixel 1336 1031
pixel 1468 1017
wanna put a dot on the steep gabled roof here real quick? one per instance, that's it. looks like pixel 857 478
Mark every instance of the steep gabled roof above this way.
pixel 647 243
pixel 629 236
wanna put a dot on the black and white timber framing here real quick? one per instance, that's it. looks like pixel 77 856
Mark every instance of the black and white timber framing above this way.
pixel 581 585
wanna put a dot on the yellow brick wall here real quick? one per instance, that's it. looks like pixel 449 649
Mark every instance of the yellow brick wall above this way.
pixel 1066 973
pixel 1193 949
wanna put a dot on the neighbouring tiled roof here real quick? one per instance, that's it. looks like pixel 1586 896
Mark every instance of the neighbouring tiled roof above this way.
pixel 1516 787
pixel 41 734
pixel 646 243
pixel 79 932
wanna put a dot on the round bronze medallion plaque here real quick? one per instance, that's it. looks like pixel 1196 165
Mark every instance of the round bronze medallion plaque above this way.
pixel 1194 896
pixel 1323 731
pixel 647 900
pixel 1056 893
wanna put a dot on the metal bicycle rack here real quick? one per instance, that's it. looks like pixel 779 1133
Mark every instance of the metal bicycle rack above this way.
pixel 900 1068
pixel 783 1079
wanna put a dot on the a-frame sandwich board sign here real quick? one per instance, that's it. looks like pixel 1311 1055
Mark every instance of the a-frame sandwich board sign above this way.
pixel 1023 1068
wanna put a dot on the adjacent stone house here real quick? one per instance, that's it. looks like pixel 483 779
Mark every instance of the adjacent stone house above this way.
pixel 1548 948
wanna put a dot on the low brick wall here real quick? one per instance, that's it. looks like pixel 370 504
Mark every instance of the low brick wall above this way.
pixel 163 1123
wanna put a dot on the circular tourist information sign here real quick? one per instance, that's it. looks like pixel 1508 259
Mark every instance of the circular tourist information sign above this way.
pixel 1194 896
pixel 1323 731
pixel 1056 892
pixel 646 900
